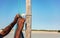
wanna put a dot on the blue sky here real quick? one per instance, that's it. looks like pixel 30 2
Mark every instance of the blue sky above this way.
pixel 45 13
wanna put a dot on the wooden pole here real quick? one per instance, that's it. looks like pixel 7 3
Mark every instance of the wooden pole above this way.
pixel 28 19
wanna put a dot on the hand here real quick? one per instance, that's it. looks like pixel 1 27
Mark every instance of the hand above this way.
pixel 20 21
pixel 16 17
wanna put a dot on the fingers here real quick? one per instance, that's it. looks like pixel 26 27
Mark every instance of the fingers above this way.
pixel 21 20
pixel 19 16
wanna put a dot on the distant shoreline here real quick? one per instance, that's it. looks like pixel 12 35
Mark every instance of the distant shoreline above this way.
pixel 34 31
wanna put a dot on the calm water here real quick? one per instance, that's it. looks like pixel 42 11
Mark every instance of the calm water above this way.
pixel 38 35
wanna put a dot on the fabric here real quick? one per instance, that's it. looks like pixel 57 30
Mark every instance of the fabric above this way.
pixel 1 36
pixel 22 36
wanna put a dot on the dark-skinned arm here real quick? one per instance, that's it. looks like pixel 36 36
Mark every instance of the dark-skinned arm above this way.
pixel 7 29
pixel 19 29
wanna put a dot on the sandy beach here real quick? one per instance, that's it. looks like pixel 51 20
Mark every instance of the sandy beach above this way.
pixel 38 34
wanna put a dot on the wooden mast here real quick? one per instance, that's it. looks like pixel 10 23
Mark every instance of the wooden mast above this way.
pixel 28 19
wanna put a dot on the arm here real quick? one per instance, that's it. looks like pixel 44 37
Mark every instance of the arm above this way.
pixel 19 28
pixel 7 29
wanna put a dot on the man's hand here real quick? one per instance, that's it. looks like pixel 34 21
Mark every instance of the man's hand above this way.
pixel 20 21
pixel 16 18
